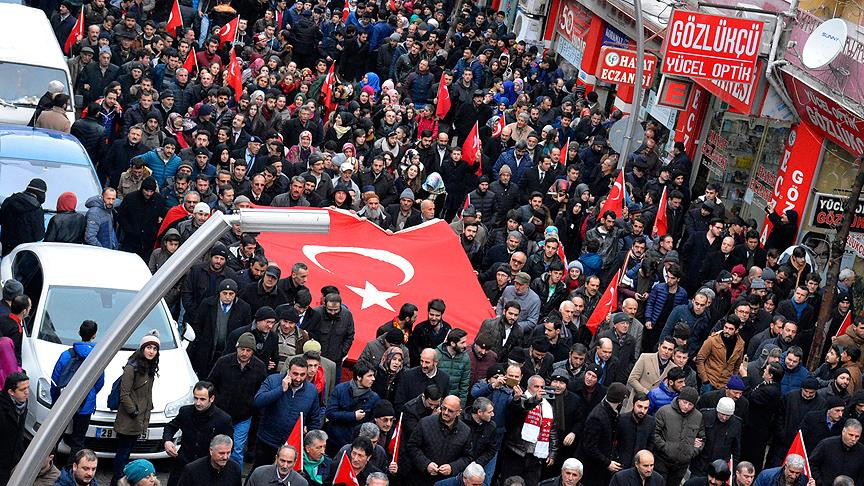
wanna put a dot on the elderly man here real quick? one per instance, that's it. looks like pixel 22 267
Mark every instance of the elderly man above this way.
pixel 217 468
pixel 791 473
pixel 529 301
pixel 641 474
pixel 571 474
pixel 473 475
pixel 416 379
pixel 531 440
pixel 282 471
pixel 837 456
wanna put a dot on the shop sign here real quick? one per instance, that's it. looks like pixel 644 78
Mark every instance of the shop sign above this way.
pixel 762 183
pixel 856 243
pixel 713 153
pixel 574 22
pixel 827 116
pixel 690 121
pixel 674 92
pixel 707 46
pixel 738 95
pixel 616 38
pixel 828 213
pixel 619 66
pixel 569 52
pixel 795 175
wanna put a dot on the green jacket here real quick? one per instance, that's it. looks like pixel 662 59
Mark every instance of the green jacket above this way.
pixel 458 368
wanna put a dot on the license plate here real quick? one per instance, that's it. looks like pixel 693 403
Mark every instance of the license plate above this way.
pixel 108 433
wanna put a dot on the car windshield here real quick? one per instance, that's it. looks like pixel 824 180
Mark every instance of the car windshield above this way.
pixel 66 308
pixel 15 174
pixel 24 84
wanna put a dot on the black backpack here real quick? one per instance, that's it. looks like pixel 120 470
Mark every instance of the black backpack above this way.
pixel 66 373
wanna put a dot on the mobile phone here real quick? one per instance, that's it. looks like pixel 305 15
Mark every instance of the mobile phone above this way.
pixel 512 382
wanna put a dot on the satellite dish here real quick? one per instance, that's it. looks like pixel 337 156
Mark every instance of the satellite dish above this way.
pixel 824 43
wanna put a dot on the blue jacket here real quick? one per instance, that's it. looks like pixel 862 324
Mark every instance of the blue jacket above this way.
pixel 161 170
pixel 66 479
pixel 657 300
pixel 475 67
pixel 509 158
pixel 280 410
pixel 659 396
pixel 792 380
pixel 699 326
pixel 82 349
pixel 500 398
pixel 340 411
pixel 592 264
pixel 774 477
pixel 378 34
pixel 100 224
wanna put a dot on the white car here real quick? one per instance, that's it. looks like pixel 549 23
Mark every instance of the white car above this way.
pixel 70 283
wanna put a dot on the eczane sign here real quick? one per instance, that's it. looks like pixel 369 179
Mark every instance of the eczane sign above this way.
pixel 619 66
pixel 712 46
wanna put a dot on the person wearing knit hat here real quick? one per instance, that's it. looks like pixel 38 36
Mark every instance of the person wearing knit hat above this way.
pixel 11 289
pixel 246 340
pixel 22 219
pixel 403 215
pixel 679 427
pixel 616 393
pixel 151 338
pixel 137 471
pixel 726 406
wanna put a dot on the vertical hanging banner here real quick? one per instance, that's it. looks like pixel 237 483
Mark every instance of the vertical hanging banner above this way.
pixel 690 120
pixel 795 176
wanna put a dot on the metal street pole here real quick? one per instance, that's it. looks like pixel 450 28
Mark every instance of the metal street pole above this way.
pixel 253 220
pixel 633 121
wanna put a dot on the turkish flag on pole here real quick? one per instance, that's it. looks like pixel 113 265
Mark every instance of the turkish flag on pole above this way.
pixel 191 62
pixel 393 6
pixel 661 222
pixel 608 302
pixel 296 440
pixel 228 32
pixel 346 11
pixel 393 446
pixel 799 449
pixel 731 470
pixel 564 150
pixel 472 152
pixel 376 273
pixel 235 79
pixel 443 106
pixel 847 321
pixel 76 35
pixel 175 19
pixel 615 200
pixel 345 473
pixel 327 87
pixel 499 126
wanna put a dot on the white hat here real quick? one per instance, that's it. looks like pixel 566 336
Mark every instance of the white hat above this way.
pixel 726 406
pixel 346 166
pixel 202 208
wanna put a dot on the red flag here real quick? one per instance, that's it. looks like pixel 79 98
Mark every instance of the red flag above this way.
pixel 731 470
pixel 562 255
pixel 564 150
pixel 392 5
pixel 228 32
pixel 235 78
pixel 376 273
pixel 175 19
pixel 499 126
pixel 327 87
pixel 345 473
pixel 608 302
pixel 472 151
pixel 799 448
pixel 393 446
pixel 191 62
pixel 615 200
pixel 296 440
pixel 443 96
pixel 77 33
pixel 661 223
pixel 847 321
pixel 346 11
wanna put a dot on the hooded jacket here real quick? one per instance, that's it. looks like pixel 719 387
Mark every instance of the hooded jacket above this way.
pixel 675 433
pixel 22 220
pixel 67 226
pixel 100 224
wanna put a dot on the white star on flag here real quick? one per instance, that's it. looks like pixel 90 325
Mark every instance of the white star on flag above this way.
pixel 372 296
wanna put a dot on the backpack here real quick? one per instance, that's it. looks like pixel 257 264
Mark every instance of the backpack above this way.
pixel 114 396
pixel 66 373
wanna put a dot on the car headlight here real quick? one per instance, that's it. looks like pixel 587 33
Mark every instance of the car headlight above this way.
pixel 43 393
pixel 173 408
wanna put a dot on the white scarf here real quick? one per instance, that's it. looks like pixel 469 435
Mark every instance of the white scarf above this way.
pixel 537 427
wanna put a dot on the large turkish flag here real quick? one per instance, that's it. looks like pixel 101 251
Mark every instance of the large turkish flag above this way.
pixel 377 272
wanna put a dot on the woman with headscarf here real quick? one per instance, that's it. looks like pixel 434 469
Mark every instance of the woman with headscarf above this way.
pixel 388 373
pixel 340 130
pixel 178 127
pixel 67 226
pixel 299 154
pixel 371 79
pixel 508 96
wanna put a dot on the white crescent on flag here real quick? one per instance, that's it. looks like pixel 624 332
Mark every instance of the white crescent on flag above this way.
pixel 312 252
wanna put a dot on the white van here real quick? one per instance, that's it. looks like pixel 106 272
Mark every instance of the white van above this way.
pixel 70 283
pixel 30 58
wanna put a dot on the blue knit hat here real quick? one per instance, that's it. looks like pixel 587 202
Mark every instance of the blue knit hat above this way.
pixel 137 470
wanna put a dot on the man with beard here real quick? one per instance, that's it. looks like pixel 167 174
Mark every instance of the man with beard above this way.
pixel 138 218
pixel 420 377
pixel 82 472
pixel 100 220
pixel 403 215
pixel 282 470
pixel 190 225
pixel 765 403
pixel 635 430
pixel 796 404
pixel 722 437
pixel 265 292
pixel 790 474
pixel 470 245
pixel 503 331
pixel 372 212
pixel 203 280
pixel 22 219
pixel 378 178
pixel 721 354
pixel 483 200
pixel 599 436
pixel 335 331
pixel 567 409
pixel 198 423
pixel 294 197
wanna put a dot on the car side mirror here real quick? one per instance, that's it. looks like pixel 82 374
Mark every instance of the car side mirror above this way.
pixel 189 334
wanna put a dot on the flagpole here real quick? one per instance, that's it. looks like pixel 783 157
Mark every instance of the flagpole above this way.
pixel 235 33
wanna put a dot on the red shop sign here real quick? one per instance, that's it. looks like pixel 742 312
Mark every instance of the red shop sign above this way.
pixel 825 115
pixel 574 21
pixel 619 66
pixel 738 95
pixel 712 46
pixel 690 121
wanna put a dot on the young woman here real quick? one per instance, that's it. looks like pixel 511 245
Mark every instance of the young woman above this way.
pixel 136 399
pixel 388 373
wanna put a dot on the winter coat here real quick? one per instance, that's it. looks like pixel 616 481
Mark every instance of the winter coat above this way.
pixel 335 333
pixel 597 449
pixel 699 325
pixel 374 350
pixel 82 349
pixel 633 437
pixel 136 400
pixel 774 477
pixel 492 330
pixel 66 227
pixel 630 477
pixel 266 345
pixel 137 221
pixel 483 441
pixel 12 430
pixel 22 220
pixel 54 119
pixel 509 158
pixel 414 382
pixel 458 368
pixel 549 301
pixel 646 373
pixel 280 409
pixel 236 387
pixel 794 408
pixel 67 479
pixel 675 433
pixel 814 428
pixel 91 134
pixel 200 471
pixel 831 458
pixel 782 234
pixel 161 168
pixel 204 351
pixel 711 362
pixel 432 441
pixel 116 161
pixel 722 440
pixel 201 283
pixel 660 396
pixel 346 399
pixel 100 224
pixel 198 429
pixel 256 296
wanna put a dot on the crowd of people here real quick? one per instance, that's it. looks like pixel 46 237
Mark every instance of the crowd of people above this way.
pixel 697 371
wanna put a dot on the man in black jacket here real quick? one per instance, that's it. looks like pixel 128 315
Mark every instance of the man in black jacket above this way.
pixel 199 423
pixel 418 378
pixel 764 405
pixel 13 412
pixel 266 342
pixel 635 430
pixel 265 291
pixel 567 407
pixel 796 404
pixel 138 219
pixel 10 324
pixel 641 474
pixel 217 317
pixel 599 436
pixel 837 456
pixel 722 437
pixel 237 377
pixel 526 412
pixel 335 331
pixel 22 219
pixel 215 469
pixel 203 280
pixel 440 446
